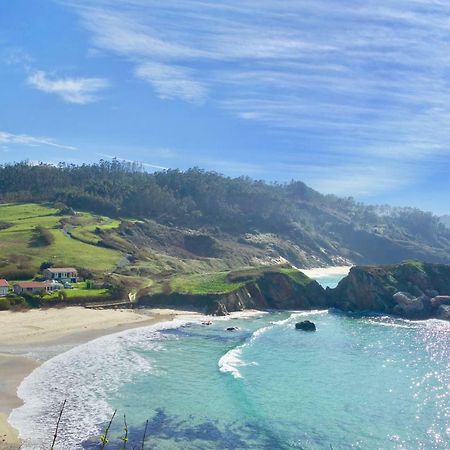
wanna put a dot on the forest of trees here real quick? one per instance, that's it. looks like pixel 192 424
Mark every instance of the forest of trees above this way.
pixel 197 198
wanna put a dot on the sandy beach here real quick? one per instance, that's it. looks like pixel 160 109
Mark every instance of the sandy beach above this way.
pixel 54 331
pixel 320 272
pixel 51 331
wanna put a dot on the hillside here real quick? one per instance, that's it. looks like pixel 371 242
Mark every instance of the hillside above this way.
pixel 167 266
pixel 194 221
pixel 22 249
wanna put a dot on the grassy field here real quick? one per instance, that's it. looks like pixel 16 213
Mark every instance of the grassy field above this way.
pixel 201 284
pixel 82 293
pixel 296 275
pixel 19 254
pixel 220 282
pixel 84 227
pixel 74 242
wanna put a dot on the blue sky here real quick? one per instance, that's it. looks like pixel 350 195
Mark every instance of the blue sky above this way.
pixel 351 97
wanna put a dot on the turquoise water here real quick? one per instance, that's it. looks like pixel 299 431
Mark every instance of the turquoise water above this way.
pixel 358 382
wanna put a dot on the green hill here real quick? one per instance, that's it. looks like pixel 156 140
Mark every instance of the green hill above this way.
pixel 22 252
pixel 174 231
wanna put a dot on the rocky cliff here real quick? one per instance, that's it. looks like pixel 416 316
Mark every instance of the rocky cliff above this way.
pixel 270 289
pixel 412 289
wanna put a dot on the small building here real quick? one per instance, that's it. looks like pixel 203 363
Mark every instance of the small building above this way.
pixel 4 287
pixel 61 274
pixel 36 287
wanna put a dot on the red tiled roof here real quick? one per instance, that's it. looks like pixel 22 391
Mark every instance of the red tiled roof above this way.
pixel 32 284
pixel 3 283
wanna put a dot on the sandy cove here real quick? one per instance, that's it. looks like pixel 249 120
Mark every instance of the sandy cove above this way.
pixel 56 330
pixel 61 329
pixel 321 272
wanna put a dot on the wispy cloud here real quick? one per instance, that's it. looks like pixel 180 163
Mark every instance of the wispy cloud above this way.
pixel 16 56
pixel 71 90
pixel 171 81
pixel 32 141
pixel 364 80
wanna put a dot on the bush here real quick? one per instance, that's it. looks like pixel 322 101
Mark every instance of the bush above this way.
pixel 17 274
pixel 84 274
pixel 5 304
pixel 18 303
pixel 42 237
pixel 118 290
pixel 4 225
pixel 46 265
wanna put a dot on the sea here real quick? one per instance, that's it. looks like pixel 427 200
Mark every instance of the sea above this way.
pixel 358 382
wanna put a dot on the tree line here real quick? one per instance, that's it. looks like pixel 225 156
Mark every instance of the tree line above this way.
pixel 198 198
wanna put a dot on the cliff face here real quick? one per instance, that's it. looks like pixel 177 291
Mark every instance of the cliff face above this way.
pixel 269 290
pixel 413 290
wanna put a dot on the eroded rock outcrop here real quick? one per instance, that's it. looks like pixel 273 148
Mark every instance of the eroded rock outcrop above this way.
pixel 267 289
pixel 412 290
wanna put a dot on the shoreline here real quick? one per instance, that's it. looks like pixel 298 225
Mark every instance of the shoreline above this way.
pixel 38 335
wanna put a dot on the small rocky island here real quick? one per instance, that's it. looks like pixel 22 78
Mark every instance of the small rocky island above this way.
pixel 305 325
pixel 412 289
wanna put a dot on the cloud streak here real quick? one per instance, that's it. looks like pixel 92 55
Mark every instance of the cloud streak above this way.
pixel 363 80
pixel 31 141
pixel 171 81
pixel 72 90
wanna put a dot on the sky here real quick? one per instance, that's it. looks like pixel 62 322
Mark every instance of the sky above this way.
pixel 351 97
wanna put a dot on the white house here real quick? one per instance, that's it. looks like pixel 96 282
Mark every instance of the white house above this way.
pixel 33 287
pixel 61 274
pixel 4 287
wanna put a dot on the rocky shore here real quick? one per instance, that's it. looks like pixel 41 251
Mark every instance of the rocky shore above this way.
pixel 412 289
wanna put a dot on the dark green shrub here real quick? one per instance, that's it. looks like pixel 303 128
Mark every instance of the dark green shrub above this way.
pixel 84 273
pixel 42 237
pixel 46 265
pixel 5 304
pixel 13 273
pixel 4 225
pixel 17 303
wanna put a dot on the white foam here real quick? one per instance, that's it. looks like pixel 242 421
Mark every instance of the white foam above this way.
pixel 232 360
pixel 85 376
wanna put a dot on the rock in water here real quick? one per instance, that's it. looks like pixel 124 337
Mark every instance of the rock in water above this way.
pixel 232 328
pixel 306 325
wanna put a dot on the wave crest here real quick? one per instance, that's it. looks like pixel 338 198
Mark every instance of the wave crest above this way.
pixel 85 376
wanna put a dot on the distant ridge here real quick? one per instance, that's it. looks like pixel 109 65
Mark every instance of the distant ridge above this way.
pixel 211 218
